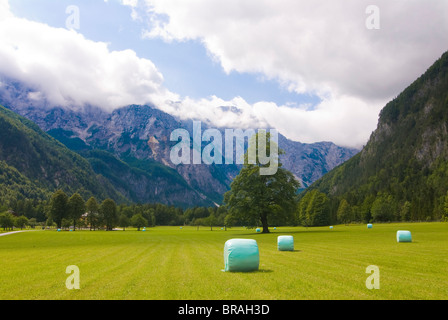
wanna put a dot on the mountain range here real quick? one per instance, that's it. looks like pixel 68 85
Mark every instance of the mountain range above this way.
pixel 127 151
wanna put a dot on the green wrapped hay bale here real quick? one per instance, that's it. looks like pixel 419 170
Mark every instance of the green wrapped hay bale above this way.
pixel 241 255
pixel 404 236
pixel 285 243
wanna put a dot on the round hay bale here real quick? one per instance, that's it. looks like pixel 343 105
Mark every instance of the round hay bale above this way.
pixel 404 236
pixel 369 226
pixel 331 227
pixel 258 230
pixel 241 255
pixel 285 243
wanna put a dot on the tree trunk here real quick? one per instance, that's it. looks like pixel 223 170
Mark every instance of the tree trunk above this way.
pixel 264 222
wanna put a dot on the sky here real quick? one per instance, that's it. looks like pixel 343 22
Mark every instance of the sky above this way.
pixel 315 70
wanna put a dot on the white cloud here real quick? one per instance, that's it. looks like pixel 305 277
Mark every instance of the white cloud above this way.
pixel 316 46
pixel 313 45
pixel 70 70
pixel 4 10
pixel 133 4
pixel 344 120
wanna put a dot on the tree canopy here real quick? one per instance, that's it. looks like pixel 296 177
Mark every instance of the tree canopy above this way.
pixel 256 198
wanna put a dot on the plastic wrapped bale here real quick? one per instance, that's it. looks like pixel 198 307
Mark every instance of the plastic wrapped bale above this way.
pixel 331 227
pixel 241 255
pixel 369 226
pixel 404 236
pixel 258 230
pixel 285 243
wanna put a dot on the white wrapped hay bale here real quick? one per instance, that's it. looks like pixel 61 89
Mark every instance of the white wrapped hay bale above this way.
pixel 241 255
pixel 404 236
pixel 285 243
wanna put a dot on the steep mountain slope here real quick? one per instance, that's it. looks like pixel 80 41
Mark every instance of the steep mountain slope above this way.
pixel 142 132
pixel 402 173
pixel 33 163
pixel 309 162
pixel 138 137
pixel 154 183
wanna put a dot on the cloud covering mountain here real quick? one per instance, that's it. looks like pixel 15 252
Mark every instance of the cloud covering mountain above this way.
pixel 321 48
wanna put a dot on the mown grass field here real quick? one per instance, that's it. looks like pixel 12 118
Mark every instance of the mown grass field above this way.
pixel 169 263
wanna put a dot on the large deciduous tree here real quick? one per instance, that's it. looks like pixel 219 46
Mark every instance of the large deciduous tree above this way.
pixel 255 198
pixel 138 221
pixel 93 213
pixel 76 208
pixel 58 207
pixel 108 211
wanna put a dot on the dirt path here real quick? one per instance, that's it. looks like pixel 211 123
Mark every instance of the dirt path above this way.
pixel 12 232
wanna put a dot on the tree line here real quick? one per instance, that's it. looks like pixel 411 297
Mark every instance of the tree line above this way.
pixel 253 200
pixel 64 211
pixel 313 209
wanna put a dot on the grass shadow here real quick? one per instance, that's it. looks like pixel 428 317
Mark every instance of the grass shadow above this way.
pixel 244 272
pixel 292 232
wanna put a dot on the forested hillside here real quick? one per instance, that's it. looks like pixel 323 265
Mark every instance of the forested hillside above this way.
pixel 402 173
pixel 33 164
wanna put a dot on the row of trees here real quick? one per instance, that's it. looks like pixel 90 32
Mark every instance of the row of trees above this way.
pixel 70 212
pixel 313 209
pixel 316 208
pixel 62 208
pixel 8 221
pixel 253 200
pixel 385 208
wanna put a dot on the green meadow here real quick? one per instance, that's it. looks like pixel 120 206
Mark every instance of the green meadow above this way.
pixel 170 263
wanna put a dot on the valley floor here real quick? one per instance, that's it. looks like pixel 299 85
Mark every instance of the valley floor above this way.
pixel 173 263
